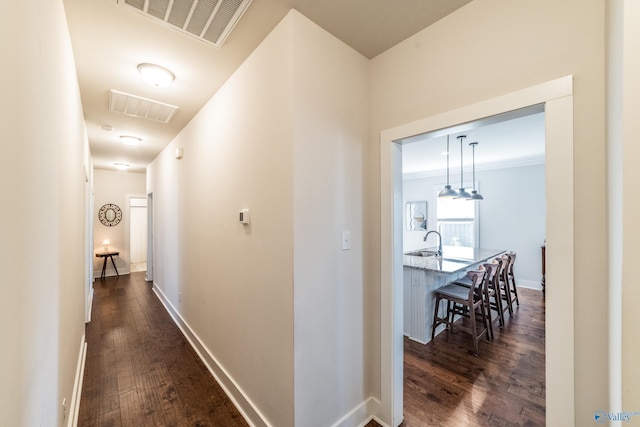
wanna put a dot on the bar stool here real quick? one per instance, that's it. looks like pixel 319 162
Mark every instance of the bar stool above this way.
pixel 491 293
pixel 512 278
pixel 471 298
pixel 503 283
pixel 500 302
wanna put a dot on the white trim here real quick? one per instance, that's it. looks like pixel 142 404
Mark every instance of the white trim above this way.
pixel 359 416
pixel 110 272
pixel 529 284
pixel 557 96
pixel 74 406
pixel 127 231
pixel 88 315
pixel 249 411
pixel 149 274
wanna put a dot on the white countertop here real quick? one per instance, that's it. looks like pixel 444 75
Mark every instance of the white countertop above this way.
pixel 453 258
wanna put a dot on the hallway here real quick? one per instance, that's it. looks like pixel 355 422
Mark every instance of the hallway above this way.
pixel 140 370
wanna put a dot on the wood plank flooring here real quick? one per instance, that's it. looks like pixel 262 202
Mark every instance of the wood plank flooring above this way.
pixel 445 385
pixel 140 370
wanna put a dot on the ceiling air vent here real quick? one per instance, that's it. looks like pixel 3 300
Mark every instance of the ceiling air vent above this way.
pixel 208 20
pixel 136 106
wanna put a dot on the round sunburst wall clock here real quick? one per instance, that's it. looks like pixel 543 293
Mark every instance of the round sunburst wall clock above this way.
pixel 110 215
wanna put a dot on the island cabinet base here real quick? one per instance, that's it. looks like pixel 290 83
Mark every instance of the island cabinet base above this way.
pixel 424 274
pixel 419 301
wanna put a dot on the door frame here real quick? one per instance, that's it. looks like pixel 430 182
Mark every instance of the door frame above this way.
pixel 557 97
pixel 128 228
pixel 149 274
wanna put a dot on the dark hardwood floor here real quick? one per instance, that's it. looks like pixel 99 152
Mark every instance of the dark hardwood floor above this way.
pixel 445 385
pixel 140 370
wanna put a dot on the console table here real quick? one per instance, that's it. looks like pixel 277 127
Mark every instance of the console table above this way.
pixel 105 255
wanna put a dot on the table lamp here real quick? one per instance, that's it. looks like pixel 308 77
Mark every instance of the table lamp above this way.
pixel 106 244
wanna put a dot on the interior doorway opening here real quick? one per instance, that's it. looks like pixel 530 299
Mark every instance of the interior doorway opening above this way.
pixel 442 382
pixel 557 97
pixel 137 234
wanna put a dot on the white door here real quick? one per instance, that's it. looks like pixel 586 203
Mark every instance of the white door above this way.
pixel 138 234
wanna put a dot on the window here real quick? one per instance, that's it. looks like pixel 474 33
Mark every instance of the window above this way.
pixel 456 221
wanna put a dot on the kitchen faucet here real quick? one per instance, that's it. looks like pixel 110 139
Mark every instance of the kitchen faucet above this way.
pixel 439 241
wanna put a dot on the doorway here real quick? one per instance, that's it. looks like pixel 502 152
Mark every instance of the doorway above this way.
pixel 557 97
pixel 137 234
pixel 443 383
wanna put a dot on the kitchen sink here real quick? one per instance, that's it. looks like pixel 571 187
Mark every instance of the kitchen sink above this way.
pixel 424 253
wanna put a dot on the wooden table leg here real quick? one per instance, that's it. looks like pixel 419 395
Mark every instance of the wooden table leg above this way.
pixel 104 268
pixel 114 264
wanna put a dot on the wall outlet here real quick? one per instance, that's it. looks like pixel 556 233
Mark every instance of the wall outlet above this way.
pixel 179 296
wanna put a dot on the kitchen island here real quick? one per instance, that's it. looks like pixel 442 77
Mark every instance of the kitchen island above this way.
pixel 424 273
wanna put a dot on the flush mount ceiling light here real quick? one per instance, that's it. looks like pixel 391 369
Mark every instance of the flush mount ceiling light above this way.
pixel 447 192
pixel 130 140
pixel 156 75
pixel 121 166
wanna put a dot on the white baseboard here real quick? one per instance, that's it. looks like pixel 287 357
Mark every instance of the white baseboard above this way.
pixel 360 416
pixel 110 273
pixel 74 406
pixel 529 284
pixel 246 407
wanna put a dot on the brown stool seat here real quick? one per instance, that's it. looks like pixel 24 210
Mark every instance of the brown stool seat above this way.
pixel 471 300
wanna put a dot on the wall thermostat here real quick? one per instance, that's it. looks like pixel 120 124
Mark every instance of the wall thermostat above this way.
pixel 244 216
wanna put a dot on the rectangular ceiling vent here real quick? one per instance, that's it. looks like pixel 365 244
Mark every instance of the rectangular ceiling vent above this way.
pixel 136 106
pixel 208 20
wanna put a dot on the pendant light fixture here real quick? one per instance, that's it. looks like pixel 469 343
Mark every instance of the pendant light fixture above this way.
pixel 447 192
pixel 474 193
pixel 462 194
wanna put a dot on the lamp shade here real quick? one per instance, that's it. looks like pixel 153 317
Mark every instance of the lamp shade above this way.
pixel 447 192
pixel 475 196
pixel 462 194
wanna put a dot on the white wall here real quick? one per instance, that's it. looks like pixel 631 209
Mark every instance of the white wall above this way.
pixel 114 187
pixel 330 83
pixel 282 315
pixel 233 284
pixel 486 49
pixel 43 167
pixel 511 216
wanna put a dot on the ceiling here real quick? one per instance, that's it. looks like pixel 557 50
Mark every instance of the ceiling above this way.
pixel 509 140
pixel 110 40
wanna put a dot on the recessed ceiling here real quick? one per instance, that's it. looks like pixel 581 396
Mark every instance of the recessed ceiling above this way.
pixel 110 40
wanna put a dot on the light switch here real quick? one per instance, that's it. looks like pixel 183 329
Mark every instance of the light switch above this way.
pixel 346 240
